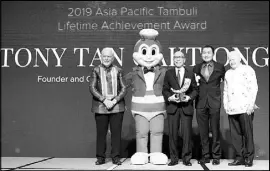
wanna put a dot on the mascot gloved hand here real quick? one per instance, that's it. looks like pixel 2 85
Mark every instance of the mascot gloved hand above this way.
pixel 148 105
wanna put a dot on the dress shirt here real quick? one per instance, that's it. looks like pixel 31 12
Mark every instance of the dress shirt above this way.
pixel 240 89
pixel 149 79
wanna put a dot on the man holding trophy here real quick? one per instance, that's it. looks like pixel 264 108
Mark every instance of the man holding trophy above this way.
pixel 179 91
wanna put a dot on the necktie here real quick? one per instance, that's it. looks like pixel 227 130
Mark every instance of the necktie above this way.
pixel 179 78
pixel 146 70
pixel 206 72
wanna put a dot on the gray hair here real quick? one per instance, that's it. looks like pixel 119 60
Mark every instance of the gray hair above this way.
pixel 235 54
pixel 107 49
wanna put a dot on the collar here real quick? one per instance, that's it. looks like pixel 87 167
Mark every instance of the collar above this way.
pixel 211 63
pixel 181 68
pixel 155 67
pixel 107 68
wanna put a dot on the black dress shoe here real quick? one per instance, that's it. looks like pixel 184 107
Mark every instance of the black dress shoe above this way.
pixel 100 161
pixel 204 160
pixel 248 163
pixel 116 161
pixel 173 162
pixel 187 163
pixel 236 163
pixel 215 162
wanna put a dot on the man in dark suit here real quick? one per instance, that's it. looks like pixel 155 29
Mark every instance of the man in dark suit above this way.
pixel 179 91
pixel 108 90
pixel 208 103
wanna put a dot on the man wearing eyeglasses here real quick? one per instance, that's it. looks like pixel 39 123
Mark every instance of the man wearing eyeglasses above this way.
pixel 179 91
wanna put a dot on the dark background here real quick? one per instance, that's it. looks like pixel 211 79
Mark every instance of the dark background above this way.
pixel 55 119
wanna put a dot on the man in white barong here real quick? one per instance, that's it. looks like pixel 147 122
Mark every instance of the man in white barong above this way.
pixel 240 91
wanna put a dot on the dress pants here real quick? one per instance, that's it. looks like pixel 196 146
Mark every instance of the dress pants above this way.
pixel 203 116
pixel 102 124
pixel 186 130
pixel 241 129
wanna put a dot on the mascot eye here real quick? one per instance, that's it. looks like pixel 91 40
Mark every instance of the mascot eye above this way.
pixel 153 51
pixel 144 51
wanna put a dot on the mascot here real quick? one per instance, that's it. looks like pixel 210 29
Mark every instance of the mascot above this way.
pixel 148 105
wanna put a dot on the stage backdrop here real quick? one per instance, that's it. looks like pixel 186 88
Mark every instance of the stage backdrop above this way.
pixel 48 50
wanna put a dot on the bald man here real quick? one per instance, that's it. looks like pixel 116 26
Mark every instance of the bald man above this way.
pixel 179 91
pixel 108 90
pixel 240 91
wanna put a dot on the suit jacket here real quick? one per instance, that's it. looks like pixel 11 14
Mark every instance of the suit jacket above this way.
pixel 171 81
pixel 136 81
pixel 210 90
pixel 98 98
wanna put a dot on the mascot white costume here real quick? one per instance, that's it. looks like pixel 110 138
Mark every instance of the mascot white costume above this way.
pixel 148 105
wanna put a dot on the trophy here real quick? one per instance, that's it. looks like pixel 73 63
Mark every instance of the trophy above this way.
pixel 180 94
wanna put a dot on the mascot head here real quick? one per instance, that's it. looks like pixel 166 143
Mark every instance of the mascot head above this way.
pixel 148 51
